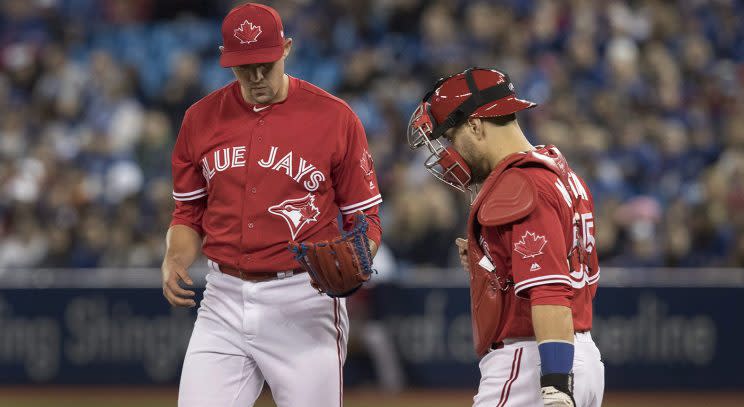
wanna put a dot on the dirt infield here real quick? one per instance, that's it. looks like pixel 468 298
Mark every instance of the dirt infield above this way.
pixel 74 396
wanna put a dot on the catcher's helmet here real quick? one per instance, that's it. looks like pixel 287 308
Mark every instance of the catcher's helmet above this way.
pixel 475 92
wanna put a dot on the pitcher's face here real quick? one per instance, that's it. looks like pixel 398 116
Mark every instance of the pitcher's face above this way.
pixel 262 82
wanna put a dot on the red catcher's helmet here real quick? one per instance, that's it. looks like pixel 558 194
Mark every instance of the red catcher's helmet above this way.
pixel 475 92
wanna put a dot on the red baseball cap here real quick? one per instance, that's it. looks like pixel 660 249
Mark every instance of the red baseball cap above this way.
pixel 251 34
pixel 454 90
pixel 474 92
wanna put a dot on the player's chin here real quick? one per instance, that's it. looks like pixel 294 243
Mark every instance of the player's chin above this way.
pixel 262 95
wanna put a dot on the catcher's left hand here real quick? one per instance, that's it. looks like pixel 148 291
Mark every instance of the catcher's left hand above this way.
pixel 557 390
pixel 338 267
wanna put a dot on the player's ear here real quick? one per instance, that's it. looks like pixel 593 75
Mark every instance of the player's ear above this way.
pixel 475 125
pixel 222 49
pixel 287 48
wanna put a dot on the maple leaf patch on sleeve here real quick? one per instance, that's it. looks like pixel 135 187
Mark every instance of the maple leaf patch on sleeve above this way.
pixel 531 245
pixel 367 164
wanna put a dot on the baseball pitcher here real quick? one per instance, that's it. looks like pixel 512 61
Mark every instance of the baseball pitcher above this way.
pixel 530 248
pixel 261 169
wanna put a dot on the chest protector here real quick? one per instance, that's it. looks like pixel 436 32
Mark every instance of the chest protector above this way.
pixel 506 197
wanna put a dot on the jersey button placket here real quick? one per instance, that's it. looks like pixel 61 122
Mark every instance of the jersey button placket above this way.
pixel 250 191
pixel 261 122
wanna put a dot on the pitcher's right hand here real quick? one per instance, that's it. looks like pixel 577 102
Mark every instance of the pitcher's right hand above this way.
pixel 177 296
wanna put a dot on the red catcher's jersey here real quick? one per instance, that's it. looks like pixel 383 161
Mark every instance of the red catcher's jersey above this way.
pixel 531 255
pixel 252 177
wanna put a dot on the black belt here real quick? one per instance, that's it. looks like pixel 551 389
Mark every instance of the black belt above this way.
pixel 497 345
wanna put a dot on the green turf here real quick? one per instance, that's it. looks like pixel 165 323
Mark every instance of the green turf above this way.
pixel 111 403
pixel 29 397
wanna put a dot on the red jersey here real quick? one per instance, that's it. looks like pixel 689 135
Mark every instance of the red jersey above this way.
pixel 249 178
pixel 546 257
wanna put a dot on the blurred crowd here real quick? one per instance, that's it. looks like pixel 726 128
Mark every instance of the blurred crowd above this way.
pixel 644 98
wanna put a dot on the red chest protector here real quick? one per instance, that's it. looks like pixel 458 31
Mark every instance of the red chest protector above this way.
pixel 507 195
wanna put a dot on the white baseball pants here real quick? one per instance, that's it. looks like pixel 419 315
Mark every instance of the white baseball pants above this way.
pixel 510 376
pixel 280 331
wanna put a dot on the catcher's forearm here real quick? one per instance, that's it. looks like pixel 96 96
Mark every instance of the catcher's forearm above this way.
pixel 554 332
pixel 372 247
pixel 183 245
pixel 552 322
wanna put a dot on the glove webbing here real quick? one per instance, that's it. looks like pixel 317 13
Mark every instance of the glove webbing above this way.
pixel 361 245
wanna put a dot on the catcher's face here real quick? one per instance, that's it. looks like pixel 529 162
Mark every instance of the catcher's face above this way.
pixel 464 139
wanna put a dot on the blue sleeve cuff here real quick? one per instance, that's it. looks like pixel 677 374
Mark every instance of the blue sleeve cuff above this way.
pixel 556 357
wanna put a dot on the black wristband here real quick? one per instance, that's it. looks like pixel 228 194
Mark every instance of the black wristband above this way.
pixel 561 381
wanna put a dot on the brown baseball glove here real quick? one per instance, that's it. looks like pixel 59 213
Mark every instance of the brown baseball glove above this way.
pixel 338 267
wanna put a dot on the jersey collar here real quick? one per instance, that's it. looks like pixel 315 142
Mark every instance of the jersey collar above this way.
pixel 262 109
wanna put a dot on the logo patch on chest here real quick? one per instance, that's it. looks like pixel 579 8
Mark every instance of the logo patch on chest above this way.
pixel 297 212
pixel 531 245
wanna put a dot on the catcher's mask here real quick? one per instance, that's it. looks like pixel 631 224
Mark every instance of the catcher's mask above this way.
pixel 475 92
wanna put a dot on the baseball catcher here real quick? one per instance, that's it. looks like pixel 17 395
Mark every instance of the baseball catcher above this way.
pixel 530 249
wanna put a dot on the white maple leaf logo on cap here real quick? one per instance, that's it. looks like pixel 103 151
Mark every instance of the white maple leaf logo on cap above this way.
pixel 247 32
